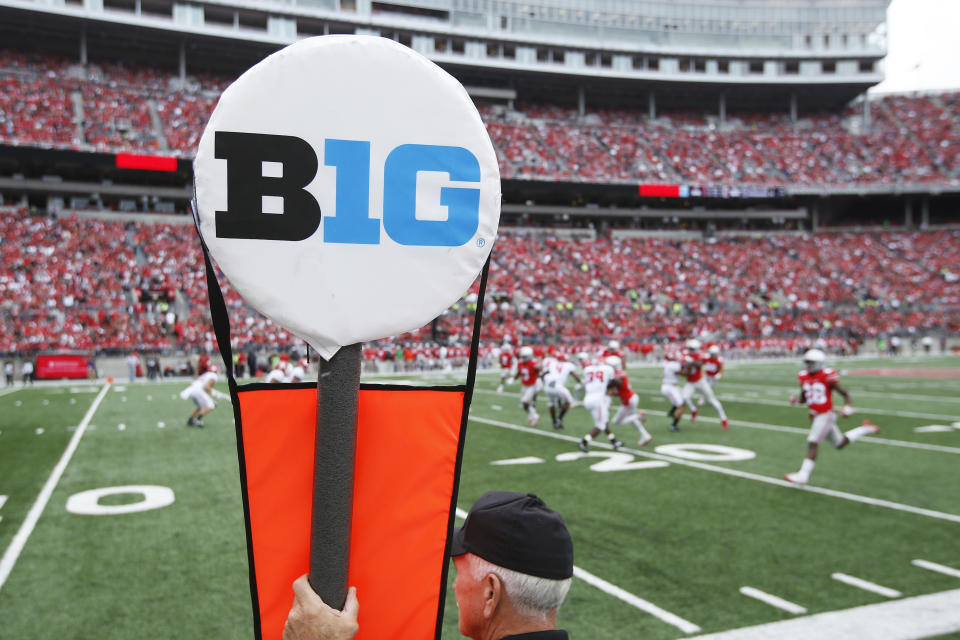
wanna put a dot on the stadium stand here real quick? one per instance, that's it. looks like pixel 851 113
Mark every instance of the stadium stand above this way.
pixel 911 139
pixel 81 283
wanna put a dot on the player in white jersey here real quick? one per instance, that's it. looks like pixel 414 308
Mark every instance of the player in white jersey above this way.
pixel 597 379
pixel 277 374
pixel 201 391
pixel 556 371
pixel 670 387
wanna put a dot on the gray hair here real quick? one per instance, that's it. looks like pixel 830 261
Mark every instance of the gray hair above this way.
pixel 532 596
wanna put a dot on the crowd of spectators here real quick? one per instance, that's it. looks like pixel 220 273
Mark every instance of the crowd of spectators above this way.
pixel 910 139
pixel 78 283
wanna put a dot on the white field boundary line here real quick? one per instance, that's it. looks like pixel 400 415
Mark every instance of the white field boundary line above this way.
pixel 773 600
pixel 10 390
pixel 613 590
pixel 843 495
pixel 925 616
pixel 786 429
pixel 866 585
pixel 23 534
pixel 939 568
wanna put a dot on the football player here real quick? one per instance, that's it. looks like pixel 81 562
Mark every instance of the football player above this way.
pixel 528 370
pixel 597 380
pixel 712 369
pixel 201 391
pixel 506 365
pixel 693 362
pixel 556 371
pixel 672 369
pixel 629 401
pixel 817 385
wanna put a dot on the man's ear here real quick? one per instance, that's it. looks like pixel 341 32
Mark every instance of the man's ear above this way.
pixel 492 594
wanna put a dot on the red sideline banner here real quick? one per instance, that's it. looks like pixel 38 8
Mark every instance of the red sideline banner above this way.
pixel 52 367
pixel 146 163
pixel 405 470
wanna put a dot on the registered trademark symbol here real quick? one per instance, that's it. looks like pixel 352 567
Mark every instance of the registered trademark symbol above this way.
pixel 481 242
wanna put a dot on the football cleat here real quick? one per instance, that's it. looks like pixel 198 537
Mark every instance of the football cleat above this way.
pixel 645 441
pixel 533 419
pixel 795 478
pixel 674 427
pixel 643 416
pixel 500 388
pixel 617 445
pixel 724 424
pixel 693 415
pixel 582 446
pixel 867 423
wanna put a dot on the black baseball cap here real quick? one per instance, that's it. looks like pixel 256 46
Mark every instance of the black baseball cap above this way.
pixel 517 531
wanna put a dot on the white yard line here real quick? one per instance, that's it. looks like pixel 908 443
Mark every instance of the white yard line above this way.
pixel 896 506
pixel 786 405
pixel 869 394
pixel 799 430
pixel 939 568
pixel 866 585
pixel 773 600
pixel 10 390
pixel 919 617
pixel 611 589
pixel 3 500
pixel 23 534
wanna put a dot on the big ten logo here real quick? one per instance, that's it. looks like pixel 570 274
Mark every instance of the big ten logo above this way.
pixel 267 199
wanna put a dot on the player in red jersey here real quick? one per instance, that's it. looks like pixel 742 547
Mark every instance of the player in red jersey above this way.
pixel 712 369
pixel 817 385
pixel 693 363
pixel 528 370
pixel 629 401
pixel 506 365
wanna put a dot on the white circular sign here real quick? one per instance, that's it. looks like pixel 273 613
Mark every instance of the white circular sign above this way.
pixel 706 452
pixel 348 189
pixel 87 503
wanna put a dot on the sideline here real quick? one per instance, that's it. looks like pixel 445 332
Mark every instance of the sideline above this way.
pixel 23 534
pixel 852 497
pixel 611 589
pixel 934 614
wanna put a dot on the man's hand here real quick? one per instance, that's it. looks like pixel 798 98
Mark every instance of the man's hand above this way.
pixel 846 411
pixel 310 618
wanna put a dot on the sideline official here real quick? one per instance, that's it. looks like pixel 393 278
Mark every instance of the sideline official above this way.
pixel 514 561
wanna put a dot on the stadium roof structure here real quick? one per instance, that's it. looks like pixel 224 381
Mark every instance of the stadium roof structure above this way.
pixel 780 55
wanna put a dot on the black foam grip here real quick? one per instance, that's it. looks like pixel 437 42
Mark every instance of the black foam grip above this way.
pixel 338 388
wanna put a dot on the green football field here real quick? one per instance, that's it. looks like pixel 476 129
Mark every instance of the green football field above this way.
pixel 696 533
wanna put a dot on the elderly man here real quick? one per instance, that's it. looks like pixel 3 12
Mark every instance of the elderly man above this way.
pixel 514 561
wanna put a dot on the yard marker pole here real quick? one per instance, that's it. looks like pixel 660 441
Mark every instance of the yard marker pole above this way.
pixel 23 534
pixel 338 389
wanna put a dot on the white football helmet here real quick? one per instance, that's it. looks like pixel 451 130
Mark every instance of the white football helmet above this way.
pixel 583 357
pixel 813 360
pixel 714 350
pixel 613 345
pixel 526 353
pixel 693 344
pixel 213 368
pixel 613 361
pixel 507 347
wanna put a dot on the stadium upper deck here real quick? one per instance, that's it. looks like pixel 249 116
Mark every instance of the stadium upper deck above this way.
pixel 779 54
